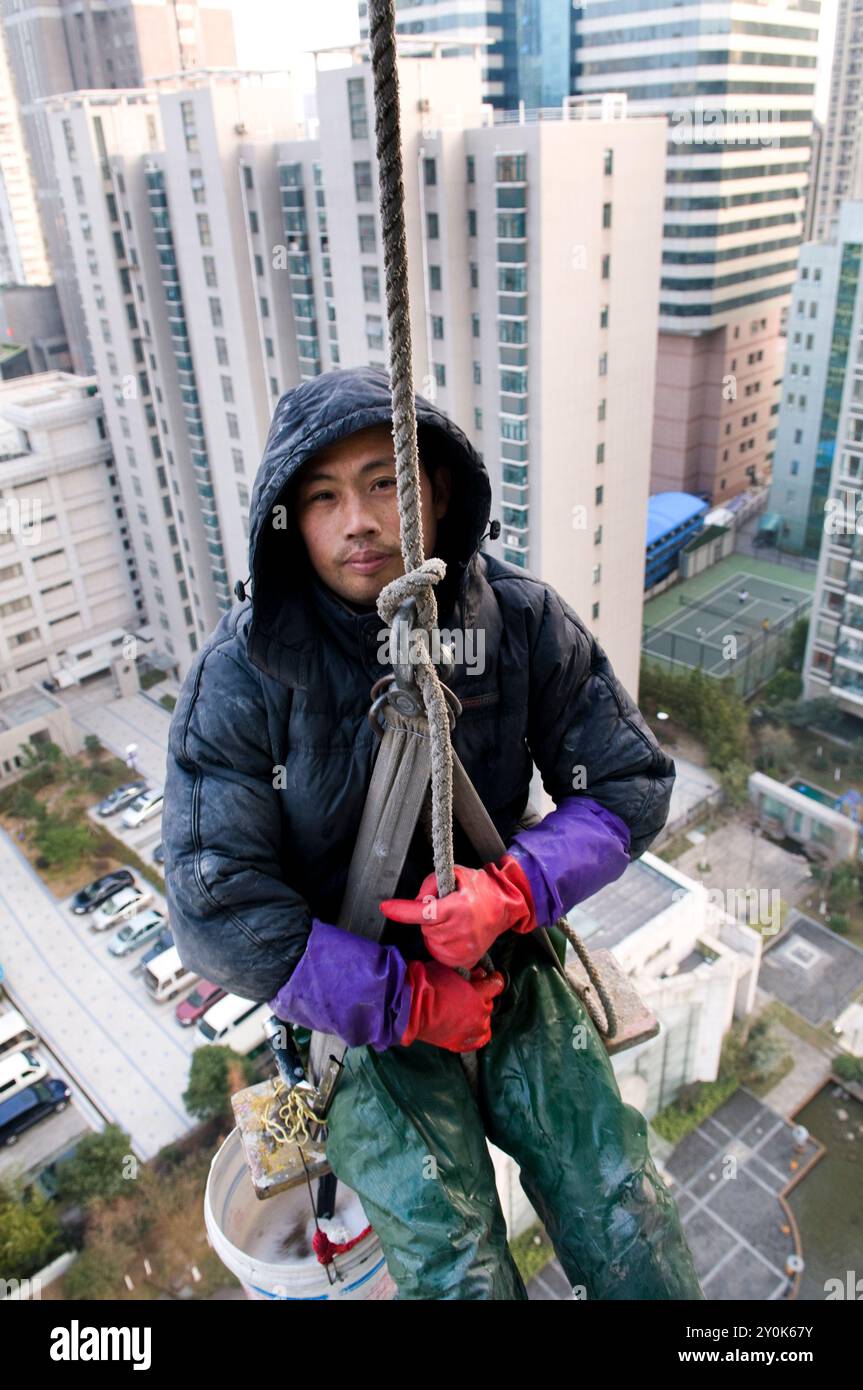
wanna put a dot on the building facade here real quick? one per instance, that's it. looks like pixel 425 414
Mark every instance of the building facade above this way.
pixel 840 162
pixel 59 46
pixel 67 568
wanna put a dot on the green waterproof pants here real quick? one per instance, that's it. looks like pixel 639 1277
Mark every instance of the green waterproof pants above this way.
pixel 407 1134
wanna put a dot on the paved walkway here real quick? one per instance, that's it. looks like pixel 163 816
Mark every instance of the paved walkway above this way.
pixel 132 719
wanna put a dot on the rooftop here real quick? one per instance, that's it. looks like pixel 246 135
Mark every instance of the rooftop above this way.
pixel 619 909
pixel 23 705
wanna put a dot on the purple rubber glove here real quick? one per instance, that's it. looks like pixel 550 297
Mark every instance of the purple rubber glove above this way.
pixel 570 855
pixel 350 986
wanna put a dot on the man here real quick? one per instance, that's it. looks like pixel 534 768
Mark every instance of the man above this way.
pixel 271 755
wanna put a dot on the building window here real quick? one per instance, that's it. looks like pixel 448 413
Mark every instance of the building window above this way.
pixel 437 326
pixel 477 373
pixel 429 172
pixel 608 161
pixel 265 306
pixel 600 414
pixel 603 364
pixel 606 214
pixel 227 389
pixel 70 140
pixel 233 425
pixel 597 574
pixel 606 267
pixel 190 131
pixel 470 167
pixel 603 316
pixel 253 221
pixel 204 234
pixel 511 168
pixel 795 467
pixel 600 452
pixel 259 264
pixel 598 496
pixel 216 312
pixel 594 612
pixel 432 226
pixel 474 323
pixel 434 277
pixel 368 236
pixel 374 332
pixel 471 221
pixel 474 275
pixel 357 109
pixel 371 284
pixel 210 272
pixel 439 373
pixel 363 180
pixel 221 352
pixel 237 456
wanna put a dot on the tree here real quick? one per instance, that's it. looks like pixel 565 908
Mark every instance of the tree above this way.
pixel 796 649
pixel 777 752
pixel 62 843
pixel 29 1231
pixel 100 1167
pixel 844 887
pixel 93 747
pixel 735 784
pixel 215 1073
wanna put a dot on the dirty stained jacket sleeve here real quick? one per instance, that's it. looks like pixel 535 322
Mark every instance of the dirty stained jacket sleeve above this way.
pixel 585 732
pixel 235 919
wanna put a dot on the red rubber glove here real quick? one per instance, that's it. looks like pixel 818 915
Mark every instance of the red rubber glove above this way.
pixel 459 928
pixel 448 1010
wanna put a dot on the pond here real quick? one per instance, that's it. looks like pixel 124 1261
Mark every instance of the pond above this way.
pixel 828 1203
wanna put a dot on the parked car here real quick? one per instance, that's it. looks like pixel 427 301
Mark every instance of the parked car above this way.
pixel 15 1033
pixel 119 908
pixel 167 976
pixel 148 804
pixel 235 1022
pixel 159 853
pixel 120 797
pixel 137 932
pixel 203 996
pixel 100 889
pixel 31 1105
pixel 164 943
pixel 18 1070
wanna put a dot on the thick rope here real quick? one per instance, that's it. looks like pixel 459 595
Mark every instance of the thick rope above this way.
pixel 420 574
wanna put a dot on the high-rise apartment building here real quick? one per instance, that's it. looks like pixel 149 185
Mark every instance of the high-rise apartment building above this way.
pixel 819 328
pixel 834 657
pixel 840 169
pixel 224 257
pixel 67 570
pixel 527 44
pixel 737 83
pixel 60 46
pixel 190 323
pixel 23 258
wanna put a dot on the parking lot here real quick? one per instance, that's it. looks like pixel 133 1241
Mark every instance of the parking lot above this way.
pixel 122 1051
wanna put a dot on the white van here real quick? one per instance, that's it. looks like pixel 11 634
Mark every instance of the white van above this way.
pixel 19 1070
pixel 235 1022
pixel 15 1033
pixel 166 975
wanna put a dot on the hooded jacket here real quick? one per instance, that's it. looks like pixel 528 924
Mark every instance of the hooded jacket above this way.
pixel 270 749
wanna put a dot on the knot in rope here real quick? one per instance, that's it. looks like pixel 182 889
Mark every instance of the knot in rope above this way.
pixel 416 583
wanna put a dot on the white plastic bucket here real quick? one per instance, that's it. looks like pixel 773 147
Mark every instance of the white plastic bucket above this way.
pixel 268 1245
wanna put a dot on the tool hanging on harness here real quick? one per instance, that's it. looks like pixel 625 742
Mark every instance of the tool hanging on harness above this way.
pixel 413 713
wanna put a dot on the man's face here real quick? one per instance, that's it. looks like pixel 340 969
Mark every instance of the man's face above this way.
pixel 347 513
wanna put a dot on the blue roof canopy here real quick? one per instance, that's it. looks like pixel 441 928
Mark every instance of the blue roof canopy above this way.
pixel 668 510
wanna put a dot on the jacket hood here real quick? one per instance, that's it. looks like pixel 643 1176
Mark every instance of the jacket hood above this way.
pixel 313 415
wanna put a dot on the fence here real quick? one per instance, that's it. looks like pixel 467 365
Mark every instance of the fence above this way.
pixel 749 664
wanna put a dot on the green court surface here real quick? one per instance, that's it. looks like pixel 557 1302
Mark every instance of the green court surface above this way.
pixel 731 625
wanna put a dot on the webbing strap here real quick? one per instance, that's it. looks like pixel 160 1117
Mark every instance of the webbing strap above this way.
pixel 394 801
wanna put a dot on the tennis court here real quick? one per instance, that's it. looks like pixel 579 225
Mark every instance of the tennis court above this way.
pixel 736 628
